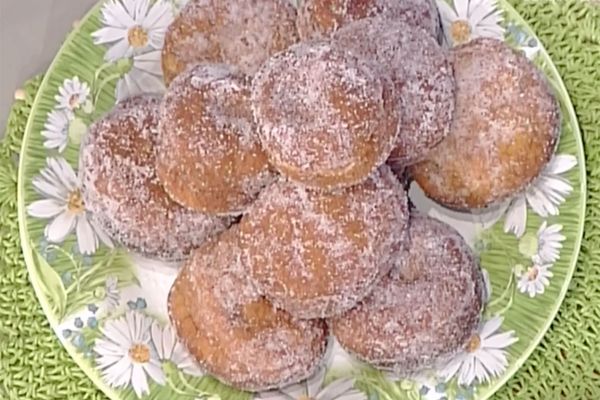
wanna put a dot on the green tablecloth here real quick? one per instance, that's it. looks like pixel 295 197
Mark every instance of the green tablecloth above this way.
pixel 566 365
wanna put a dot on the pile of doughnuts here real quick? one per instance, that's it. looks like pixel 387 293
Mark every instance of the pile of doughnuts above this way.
pixel 276 166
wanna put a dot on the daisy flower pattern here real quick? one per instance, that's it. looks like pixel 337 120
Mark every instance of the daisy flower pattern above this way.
pixel 535 280
pixel 145 76
pixel 63 204
pixel 56 131
pixel 72 95
pixel 133 27
pixel 484 356
pixel 544 196
pixel 340 389
pixel 549 243
pixel 125 354
pixel 470 19
pixel 169 348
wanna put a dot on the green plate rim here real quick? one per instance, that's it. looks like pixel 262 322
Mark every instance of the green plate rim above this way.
pixel 491 390
pixel 22 215
pixel 518 363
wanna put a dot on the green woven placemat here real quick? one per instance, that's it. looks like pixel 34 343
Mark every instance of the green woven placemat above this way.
pixel 566 365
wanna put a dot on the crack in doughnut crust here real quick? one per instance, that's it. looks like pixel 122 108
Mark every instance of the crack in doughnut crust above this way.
pixel 321 18
pixel 425 310
pixel 234 333
pixel 505 129
pixel 123 193
pixel 241 33
pixel 421 73
pixel 317 254
pixel 209 156
pixel 326 117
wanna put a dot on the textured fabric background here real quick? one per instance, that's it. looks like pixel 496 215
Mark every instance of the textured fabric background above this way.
pixel 566 365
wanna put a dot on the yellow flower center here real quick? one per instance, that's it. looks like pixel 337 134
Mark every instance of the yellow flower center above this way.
pixel 460 30
pixel 74 101
pixel 474 343
pixel 303 397
pixel 137 37
pixel 75 202
pixel 532 273
pixel 139 353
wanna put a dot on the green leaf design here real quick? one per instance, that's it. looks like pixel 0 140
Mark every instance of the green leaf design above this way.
pixel 87 284
pixel 51 285
pixel 375 383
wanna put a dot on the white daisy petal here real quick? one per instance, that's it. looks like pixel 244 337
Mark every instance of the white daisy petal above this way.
pixel 107 360
pixel 554 184
pixel 149 62
pixel 477 12
pixel 335 389
pixel 315 382
pixel 451 368
pixel 462 8
pixel 116 15
pixel 560 164
pixel 550 190
pixel 495 357
pixel 120 366
pixel 490 326
pixel 540 203
pixel 117 51
pixel 155 372
pixel 139 382
pixel 120 332
pixel 109 348
pixel 57 230
pixel 156 335
pixel 549 243
pixel 64 172
pixel 104 238
pixel 169 339
pixel 118 374
pixel 500 341
pixel 48 189
pixel 516 217
pixel 132 27
pixel 86 238
pixel 47 208
pixel 159 16
pixel 295 391
pixel 73 93
pixel 484 360
pixel 447 13
pixel 109 34
pixel 466 374
pixel 479 372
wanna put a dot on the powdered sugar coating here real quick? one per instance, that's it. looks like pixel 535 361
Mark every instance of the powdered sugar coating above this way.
pixel 235 334
pixel 422 75
pixel 209 157
pixel 425 311
pixel 317 254
pixel 505 129
pixel 320 18
pixel 327 118
pixel 241 33
pixel 122 191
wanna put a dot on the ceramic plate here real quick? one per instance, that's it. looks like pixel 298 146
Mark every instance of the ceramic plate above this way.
pixel 108 307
